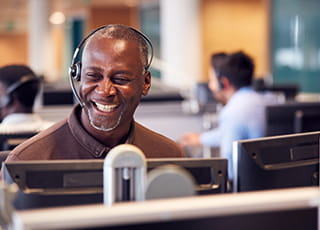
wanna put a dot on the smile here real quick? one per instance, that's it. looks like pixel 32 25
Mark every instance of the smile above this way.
pixel 106 108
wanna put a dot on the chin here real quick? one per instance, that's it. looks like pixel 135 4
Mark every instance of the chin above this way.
pixel 100 125
pixel 104 129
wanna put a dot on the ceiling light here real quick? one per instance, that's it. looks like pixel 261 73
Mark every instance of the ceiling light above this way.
pixel 57 18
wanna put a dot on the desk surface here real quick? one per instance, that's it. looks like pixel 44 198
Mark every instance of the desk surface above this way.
pixel 166 210
pixel 54 112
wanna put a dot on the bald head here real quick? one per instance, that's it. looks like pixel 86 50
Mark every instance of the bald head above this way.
pixel 125 33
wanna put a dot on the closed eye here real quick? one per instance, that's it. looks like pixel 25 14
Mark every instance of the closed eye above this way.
pixel 121 80
pixel 93 76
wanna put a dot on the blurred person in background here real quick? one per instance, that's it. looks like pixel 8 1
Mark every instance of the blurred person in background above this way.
pixel 19 87
pixel 242 116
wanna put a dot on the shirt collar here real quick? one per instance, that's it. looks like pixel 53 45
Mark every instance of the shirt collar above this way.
pixel 244 89
pixel 239 92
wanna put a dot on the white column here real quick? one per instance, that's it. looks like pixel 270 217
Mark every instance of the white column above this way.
pixel 181 49
pixel 38 32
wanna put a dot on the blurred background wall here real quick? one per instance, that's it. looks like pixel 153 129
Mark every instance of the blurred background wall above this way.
pixel 281 35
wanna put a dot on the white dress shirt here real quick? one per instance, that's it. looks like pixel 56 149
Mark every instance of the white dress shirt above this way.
pixel 243 117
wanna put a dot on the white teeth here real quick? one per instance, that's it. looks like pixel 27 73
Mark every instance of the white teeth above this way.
pixel 105 108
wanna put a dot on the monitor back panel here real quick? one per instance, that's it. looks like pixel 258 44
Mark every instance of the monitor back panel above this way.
pixel 282 118
pixel 74 182
pixel 277 162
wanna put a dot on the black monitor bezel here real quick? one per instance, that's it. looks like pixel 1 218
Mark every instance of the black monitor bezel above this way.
pixel 252 171
pixel 64 168
pixel 281 119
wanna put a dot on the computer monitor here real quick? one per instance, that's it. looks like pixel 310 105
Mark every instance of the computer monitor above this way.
pixel 276 162
pixel 58 97
pixel 207 101
pixel 288 90
pixel 74 182
pixel 286 209
pixel 55 183
pixel 292 117
pixel 306 121
pixel 211 175
pixel 9 141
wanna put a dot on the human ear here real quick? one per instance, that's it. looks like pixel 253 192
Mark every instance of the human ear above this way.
pixel 224 83
pixel 147 83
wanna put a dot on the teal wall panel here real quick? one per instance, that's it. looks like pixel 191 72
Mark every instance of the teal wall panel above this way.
pixel 295 42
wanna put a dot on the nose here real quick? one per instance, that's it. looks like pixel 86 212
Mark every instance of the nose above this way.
pixel 106 87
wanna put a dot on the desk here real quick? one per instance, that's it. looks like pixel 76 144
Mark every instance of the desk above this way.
pixel 54 112
pixel 277 209
pixel 170 120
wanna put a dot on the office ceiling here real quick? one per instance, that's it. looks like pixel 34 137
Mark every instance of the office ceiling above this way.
pixel 14 13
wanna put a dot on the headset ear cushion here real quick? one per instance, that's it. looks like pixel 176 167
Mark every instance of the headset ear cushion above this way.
pixel 75 71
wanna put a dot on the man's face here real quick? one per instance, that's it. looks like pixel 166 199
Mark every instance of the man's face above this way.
pixel 214 86
pixel 112 82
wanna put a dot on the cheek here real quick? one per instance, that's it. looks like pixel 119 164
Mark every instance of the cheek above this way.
pixel 136 89
pixel 131 94
pixel 213 85
pixel 85 88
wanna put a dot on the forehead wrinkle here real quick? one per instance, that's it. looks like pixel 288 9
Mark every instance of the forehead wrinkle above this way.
pixel 94 68
pixel 109 33
pixel 93 48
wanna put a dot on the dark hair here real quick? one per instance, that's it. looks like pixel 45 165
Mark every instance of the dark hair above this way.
pixel 216 60
pixel 238 67
pixel 25 93
pixel 118 31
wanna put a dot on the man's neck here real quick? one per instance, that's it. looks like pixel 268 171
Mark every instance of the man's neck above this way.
pixel 111 138
pixel 229 93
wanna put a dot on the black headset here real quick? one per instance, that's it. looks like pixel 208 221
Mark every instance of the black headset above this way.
pixel 75 67
pixel 7 98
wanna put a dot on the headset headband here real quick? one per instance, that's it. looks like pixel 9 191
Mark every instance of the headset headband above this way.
pixel 25 79
pixel 6 99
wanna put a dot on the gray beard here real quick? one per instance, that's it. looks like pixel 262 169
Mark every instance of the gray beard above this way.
pixel 104 128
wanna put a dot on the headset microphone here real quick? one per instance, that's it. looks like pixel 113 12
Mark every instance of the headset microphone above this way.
pixel 75 67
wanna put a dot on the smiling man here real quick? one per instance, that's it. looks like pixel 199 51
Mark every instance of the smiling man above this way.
pixel 113 77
